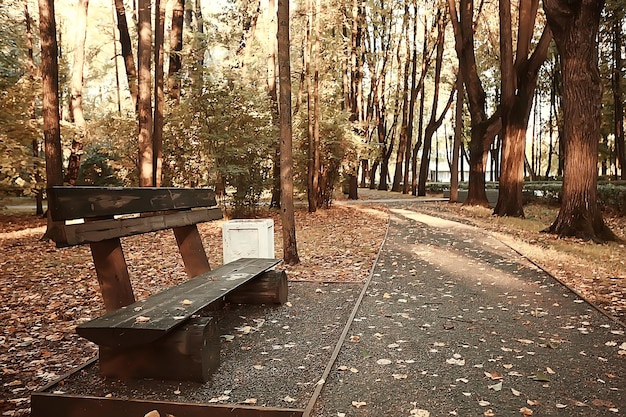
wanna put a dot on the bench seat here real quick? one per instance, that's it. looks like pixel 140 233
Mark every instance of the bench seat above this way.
pixel 148 320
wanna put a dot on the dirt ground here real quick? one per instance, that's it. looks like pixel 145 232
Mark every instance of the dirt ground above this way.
pixel 45 292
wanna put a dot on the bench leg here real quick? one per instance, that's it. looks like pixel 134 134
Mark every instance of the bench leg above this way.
pixel 112 272
pixel 192 250
pixel 271 287
pixel 190 352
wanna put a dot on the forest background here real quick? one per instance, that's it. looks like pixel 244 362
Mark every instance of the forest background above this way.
pixel 190 99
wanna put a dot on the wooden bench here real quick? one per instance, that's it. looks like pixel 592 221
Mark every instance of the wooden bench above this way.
pixel 167 335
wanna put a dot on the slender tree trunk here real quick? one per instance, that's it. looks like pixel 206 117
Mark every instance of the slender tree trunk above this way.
pixel 176 47
pixel 290 250
pixel 271 89
pixel 575 28
pixel 145 159
pixel 32 113
pixel 398 173
pixel 433 123
pixel 76 92
pixel 316 108
pixel 159 94
pixel 458 129
pixel 307 54
pixel 620 143
pixel 127 51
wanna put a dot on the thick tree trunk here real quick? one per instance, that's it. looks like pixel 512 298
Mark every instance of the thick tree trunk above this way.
pixel 127 51
pixel 518 87
pixel 50 101
pixel 575 29
pixel 176 47
pixel 290 250
pixel 50 92
pixel 145 159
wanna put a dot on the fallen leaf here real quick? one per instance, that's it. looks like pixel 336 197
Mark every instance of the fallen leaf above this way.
pixel 559 405
pixel 515 392
pixel 602 403
pixel 186 302
pixel 496 387
pixel 493 375
pixel 359 404
pixel 526 411
pixel 483 403
pixel 489 413
pixel 580 404
pixel 250 401
pixel 539 376
pixel 383 362
pixel 399 376
pixel 532 402
pixel 288 399
pixel 418 412
pixel 153 413
pixel 142 319
pixel 355 338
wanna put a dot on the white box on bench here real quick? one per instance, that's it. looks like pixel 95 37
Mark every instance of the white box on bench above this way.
pixel 248 238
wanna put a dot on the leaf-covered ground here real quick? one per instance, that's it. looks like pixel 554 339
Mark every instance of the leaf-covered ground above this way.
pixel 45 292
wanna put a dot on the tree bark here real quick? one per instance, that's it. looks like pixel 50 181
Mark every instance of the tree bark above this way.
pixel 458 122
pixel 145 159
pixel 127 51
pixel 434 122
pixel 159 94
pixel 620 143
pixel 290 249
pixel 307 54
pixel 271 89
pixel 575 28
pixel 50 101
pixel 176 47
pixel 483 129
pixel 76 92
pixel 518 85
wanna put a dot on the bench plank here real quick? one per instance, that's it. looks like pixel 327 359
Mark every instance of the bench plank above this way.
pixel 98 231
pixel 149 319
pixel 111 201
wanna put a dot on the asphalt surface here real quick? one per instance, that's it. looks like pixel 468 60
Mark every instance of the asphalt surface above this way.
pixel 454 322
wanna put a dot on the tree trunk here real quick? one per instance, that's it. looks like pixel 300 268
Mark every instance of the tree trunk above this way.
pixel 518 87
pixel 76 92
pixel 271 90
pixel 307 54
pixel 398 173
pixel 145 160
pixel 50 101
pixel 458 122
pixel 290 250
pixel 159 94
pixel 620 143
pixel 176 47
pixel 127 51
pixel 482 127
pixel 433 123
pixel 575 29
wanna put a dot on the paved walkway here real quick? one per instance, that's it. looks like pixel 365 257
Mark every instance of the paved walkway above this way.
pixel 454 322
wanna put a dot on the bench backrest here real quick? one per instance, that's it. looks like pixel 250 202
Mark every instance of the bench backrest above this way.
pixel 143 210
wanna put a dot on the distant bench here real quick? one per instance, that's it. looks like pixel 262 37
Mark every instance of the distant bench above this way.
pixel 165 335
